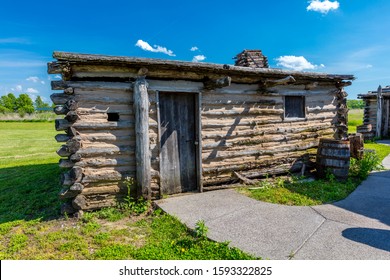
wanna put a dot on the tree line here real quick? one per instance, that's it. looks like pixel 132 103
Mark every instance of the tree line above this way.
pixel 23 104
pixel 355 104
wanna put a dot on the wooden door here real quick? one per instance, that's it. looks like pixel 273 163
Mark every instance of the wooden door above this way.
pixel 177 143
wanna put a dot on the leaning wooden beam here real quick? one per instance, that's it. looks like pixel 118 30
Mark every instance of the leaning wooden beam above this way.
pixel 284 81
pixel 243 179
pixel 141 109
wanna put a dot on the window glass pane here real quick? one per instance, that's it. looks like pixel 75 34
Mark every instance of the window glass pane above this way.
pixel 294 106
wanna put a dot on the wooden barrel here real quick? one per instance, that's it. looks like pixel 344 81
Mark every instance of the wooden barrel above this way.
pixel 366 131
pixel 333 156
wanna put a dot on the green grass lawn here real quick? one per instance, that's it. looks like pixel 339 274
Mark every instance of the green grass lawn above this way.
pixel 355 118
pixel 31 226
pixel 29 172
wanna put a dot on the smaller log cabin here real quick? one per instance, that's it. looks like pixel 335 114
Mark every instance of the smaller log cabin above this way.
pixel 177 126
pixel 377 107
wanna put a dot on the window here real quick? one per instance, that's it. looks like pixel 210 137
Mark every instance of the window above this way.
pixel 112 117
pixel 294 106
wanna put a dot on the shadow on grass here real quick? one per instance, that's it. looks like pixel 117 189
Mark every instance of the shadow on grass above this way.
pixel 29 192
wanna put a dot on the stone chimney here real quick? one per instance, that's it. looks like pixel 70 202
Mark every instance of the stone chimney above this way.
pixel 251 58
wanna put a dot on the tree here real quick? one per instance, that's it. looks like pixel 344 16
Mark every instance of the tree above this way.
pixel 24 104
pixel 355 104
pixel 9 102
pixel 39 104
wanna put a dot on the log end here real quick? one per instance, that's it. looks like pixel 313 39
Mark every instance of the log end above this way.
pixel 80 202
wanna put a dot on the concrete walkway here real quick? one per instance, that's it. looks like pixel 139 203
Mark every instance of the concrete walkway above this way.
pixel 357 227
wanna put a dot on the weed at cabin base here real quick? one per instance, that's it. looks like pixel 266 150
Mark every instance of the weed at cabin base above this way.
pixel 133 205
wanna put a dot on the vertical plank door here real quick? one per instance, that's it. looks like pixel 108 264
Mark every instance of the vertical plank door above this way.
pixel 177 141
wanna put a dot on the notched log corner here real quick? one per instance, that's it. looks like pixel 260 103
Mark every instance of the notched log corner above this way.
pixel 80 202
pixel 69 91
pixel 61 110
pixel 59 98
pixel 342 84
pixel 72 116
pixel 71 192
pixel 62 137
pixel 62 124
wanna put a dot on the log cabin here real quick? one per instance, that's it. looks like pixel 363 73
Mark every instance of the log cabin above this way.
pixel 377 107
pixel 176 127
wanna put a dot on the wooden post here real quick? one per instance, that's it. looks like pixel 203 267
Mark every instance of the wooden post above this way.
pixel 198 124
pixel 379 109
pixel 386 116
pixel 142 152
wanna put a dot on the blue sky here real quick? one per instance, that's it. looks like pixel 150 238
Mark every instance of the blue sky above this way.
pixel 338 37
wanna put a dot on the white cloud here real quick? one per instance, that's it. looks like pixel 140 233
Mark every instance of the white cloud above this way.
pixel 32 91
pixel 14 40
pixel 18 88
pixel 297 63
pixel 35 79
pixel 157 49
pixel 194 48
pixel 198 58
pixel 322 6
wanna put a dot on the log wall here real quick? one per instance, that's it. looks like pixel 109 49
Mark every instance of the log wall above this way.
pixel 370 114
pixel 97 153
pixel 245 131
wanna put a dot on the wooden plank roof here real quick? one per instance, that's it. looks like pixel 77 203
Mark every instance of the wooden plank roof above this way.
pixel 158 68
